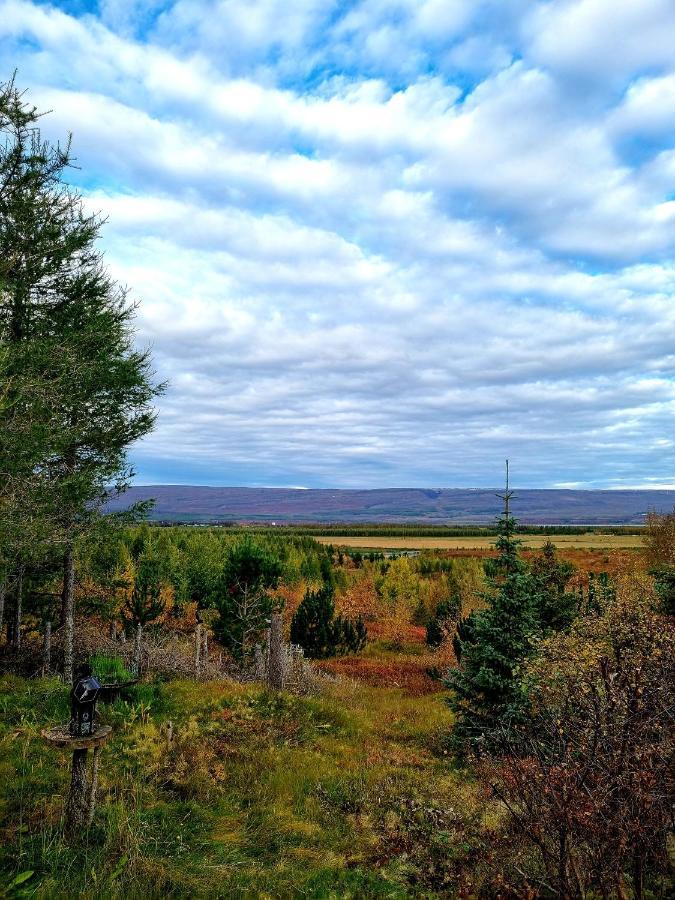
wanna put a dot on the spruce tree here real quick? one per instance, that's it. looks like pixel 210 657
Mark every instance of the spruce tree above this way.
pixel 486 693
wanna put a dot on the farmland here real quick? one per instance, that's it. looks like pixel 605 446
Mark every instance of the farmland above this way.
pixel 591 540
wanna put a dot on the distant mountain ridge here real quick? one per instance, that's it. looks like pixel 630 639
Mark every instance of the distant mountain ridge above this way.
pixel 459 506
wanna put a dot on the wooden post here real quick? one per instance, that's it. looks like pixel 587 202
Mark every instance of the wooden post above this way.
pixel 3 593
pixel 275 670
pixel 81 801
pixel 18 602
pixel 138 645
pixel 198 650
pixel 76 806
pixel 258 663
pixel 47 649
pixel 91 799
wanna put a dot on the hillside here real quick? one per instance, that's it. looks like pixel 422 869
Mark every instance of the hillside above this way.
pixel 188 503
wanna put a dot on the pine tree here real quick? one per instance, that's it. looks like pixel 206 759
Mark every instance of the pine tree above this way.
pixel 486 693
pixel 75 392
pixel 242 596
pixel 322 634
pixel 312 624
pixel 145 603
pixel 556 605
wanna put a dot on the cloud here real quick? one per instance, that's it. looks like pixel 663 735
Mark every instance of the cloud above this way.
pixel 385 242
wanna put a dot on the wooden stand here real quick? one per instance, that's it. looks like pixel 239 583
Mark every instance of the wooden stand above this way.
pixel 81 801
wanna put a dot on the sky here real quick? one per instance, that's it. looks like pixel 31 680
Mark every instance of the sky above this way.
pixel 381 243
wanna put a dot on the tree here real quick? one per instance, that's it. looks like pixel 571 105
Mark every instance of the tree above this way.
pixel 486 691
pixel 659 551
pixel 442 625
pixel 145 603
pixel 77 389
pixel 242 596
pixel 319 632
pixel 556 605
pixel 587 779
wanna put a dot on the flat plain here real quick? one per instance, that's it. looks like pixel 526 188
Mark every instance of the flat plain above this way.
pixel 586 541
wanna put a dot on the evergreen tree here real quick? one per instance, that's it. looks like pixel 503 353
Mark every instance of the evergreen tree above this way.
pixel 242 595
pixel 443 622
pixel 145 604
pixel 322 634
pixel 556 605
pixel 312 624
pixel 664 584
pixel 75 392
pixel 486 693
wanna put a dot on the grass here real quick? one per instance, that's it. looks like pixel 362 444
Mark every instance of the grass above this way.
pixel 109 669
pixel 346 794
pixel 591 540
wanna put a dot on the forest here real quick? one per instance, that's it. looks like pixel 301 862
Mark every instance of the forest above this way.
pixel 280 717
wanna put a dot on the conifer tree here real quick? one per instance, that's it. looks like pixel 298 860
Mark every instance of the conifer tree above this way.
pixel 312 624
pixel 322 634
pixel 75 392
pixel 145 603
pixel 487 695
pixel 242 595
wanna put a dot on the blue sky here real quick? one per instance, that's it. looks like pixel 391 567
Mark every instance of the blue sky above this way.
pixel 382 242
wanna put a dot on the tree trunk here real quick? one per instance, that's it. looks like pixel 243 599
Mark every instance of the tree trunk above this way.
pixel 275 670
pixel 138 643
pixel 18 611
pixel 259 663
pixel 67 596
pixel 47 649
pixel 113 630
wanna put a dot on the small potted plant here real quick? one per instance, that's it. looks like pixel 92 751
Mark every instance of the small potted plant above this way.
pixel 112 674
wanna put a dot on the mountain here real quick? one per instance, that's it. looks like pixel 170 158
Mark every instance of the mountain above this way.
pixel 187 503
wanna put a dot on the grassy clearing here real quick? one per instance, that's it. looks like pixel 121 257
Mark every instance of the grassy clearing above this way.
pixel 349 794
pixel 591 540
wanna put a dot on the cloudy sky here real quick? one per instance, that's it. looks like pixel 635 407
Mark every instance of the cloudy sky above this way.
pixel 382 242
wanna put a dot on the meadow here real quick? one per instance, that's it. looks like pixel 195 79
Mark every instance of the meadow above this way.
pixel 346 794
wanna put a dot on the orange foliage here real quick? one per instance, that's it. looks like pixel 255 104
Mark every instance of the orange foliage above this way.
pixel 360 598
pixel 409 674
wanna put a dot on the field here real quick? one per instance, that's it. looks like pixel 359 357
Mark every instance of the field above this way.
pixel 346 794
pixel 587 541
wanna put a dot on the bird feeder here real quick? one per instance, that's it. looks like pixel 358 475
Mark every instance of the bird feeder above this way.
pixel 83 699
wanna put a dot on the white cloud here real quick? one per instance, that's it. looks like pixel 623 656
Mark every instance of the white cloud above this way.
pixel 605 41
pixel 419 260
